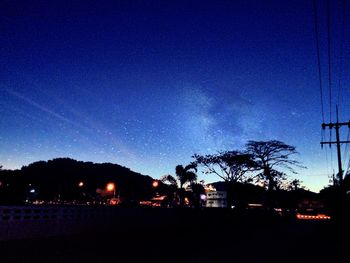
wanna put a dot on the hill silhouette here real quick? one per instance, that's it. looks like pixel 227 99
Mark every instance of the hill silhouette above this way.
pixel 59 179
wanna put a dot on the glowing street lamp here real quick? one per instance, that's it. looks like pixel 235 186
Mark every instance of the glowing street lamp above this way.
pixel 110 187
pixel 155 184
pixel 81 184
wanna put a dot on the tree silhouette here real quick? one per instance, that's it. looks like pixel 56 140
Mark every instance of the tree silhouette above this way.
pixel 270 156
pixel 231 166
pixel 295 185
pixel 184 175
pixel 197 191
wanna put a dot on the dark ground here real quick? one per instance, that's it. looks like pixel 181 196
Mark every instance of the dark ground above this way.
pixel 200 238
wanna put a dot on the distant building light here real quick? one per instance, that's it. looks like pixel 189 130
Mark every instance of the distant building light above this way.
pixel 256 205
pixel 313 217
pixel 186 200
pixel 159 198
pixel 203 197
pixel 114 201
pixel 32 191
pixel 209 188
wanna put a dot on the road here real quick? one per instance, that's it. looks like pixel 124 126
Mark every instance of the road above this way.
pixel 230 238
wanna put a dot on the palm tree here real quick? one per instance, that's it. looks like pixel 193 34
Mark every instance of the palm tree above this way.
pixel 184 175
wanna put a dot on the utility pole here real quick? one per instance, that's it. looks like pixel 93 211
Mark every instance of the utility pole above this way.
pixel 338 142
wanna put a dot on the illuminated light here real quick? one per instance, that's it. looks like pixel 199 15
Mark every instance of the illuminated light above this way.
pixel 313 217
pixel 186 201
pixel 81 184
pixel 203 197
pixel 255 205
pixel 114 201
pixel 209 188
pixel 155 184
pixel 110 187
pixel 148 203
pixel 159 198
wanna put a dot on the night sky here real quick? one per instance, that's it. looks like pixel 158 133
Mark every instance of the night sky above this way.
pixel 146 84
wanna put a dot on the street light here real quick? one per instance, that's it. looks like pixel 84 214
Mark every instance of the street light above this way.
pixel 155 184
pixel 110 187
pixel 81 184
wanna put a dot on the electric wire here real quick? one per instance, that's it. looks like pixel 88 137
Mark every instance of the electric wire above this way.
pixel 329 61
pixel 316 31
pixel 342 39
pixel 345 152
pixel 318 56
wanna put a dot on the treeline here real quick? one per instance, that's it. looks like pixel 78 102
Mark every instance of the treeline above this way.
pixel 261 162
pixel 258 173
pixel 261 172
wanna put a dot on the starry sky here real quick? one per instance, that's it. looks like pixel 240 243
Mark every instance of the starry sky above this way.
pixel 146 84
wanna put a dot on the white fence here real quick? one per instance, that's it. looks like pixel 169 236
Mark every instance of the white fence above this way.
pixel 18 222
pixel 23 213
pixel 38 221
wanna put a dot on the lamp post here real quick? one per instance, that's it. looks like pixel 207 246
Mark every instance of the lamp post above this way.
pixel 155 185
pixel 82 194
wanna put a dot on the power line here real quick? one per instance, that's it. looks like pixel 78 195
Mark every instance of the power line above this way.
pixel 340 86
pixel 332 166
pixel 346 147
pixel 348 168
pixel 329 62
pixel 341 50
pixel 318 56
pixel 327 161
pixel 314 174
pixel 337 125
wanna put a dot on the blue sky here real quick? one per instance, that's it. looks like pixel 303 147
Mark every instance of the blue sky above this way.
pixel 146 84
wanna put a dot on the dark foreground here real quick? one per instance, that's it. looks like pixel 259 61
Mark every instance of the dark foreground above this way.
pixel 199 237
